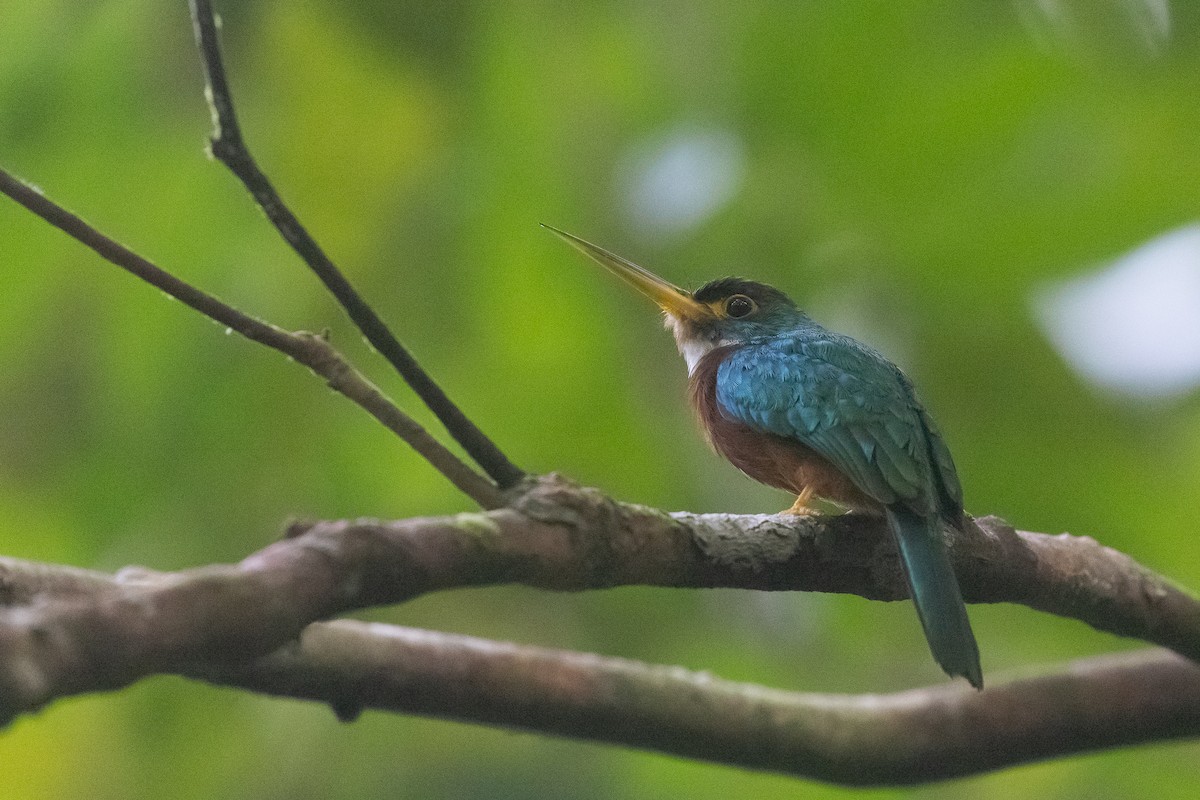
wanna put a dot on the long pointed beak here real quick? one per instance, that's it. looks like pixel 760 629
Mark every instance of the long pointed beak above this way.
pixel 669 297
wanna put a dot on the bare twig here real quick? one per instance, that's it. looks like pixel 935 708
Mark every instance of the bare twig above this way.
pixel 905 738
pixel 230 148
pixel 312 351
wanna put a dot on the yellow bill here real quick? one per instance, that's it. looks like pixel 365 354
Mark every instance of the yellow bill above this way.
pixel 669 297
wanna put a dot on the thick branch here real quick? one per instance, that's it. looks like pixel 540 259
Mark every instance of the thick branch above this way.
pixel 229 147
pixel 910 737
pixel 556 536
pixel 312 351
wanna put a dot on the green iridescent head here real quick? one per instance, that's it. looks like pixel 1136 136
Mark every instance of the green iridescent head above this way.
pixel 742 310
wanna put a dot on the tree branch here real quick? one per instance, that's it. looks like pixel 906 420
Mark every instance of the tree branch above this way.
pixel 229 147
pixel 904 738
pixel 84 632
pixel 310 350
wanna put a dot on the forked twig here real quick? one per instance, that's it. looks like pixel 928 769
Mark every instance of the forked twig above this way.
pixel 229 147
pixel 308 349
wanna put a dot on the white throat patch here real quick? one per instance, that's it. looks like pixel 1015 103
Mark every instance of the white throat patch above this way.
pixel 692 349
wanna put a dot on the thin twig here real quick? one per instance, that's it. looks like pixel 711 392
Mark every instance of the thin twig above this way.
pixel 308 349
pixel 229 147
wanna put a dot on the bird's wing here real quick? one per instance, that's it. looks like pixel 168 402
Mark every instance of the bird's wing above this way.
pixel 943 462
pixel 843 400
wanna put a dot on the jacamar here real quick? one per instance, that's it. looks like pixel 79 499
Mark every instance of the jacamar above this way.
pixel 819 414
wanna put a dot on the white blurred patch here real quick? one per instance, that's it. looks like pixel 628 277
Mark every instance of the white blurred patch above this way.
pixel 675 181
pixel 1072 24
pixel 1133 327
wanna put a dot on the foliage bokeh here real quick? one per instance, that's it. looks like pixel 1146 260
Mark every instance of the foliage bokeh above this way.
pixel 911 172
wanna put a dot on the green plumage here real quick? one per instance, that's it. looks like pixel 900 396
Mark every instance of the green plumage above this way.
pixel 784 375
pixel 935 593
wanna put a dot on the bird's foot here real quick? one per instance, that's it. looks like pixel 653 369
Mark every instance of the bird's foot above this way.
pixel 801 508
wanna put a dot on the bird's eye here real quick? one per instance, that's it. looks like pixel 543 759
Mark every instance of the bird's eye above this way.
pixel 739 306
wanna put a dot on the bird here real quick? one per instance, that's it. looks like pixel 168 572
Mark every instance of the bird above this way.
pixel 819 414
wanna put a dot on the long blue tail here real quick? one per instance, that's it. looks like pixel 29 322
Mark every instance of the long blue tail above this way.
pixel 935 593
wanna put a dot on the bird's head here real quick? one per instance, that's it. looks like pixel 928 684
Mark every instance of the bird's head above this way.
pixel 727 311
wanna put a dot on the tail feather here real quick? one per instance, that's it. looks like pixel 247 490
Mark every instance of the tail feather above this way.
pixel 935 593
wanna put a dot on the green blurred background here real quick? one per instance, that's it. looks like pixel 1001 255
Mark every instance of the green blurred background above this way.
pixel 922 174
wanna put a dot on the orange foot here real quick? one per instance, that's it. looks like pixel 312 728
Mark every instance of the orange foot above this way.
pixel 801 508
